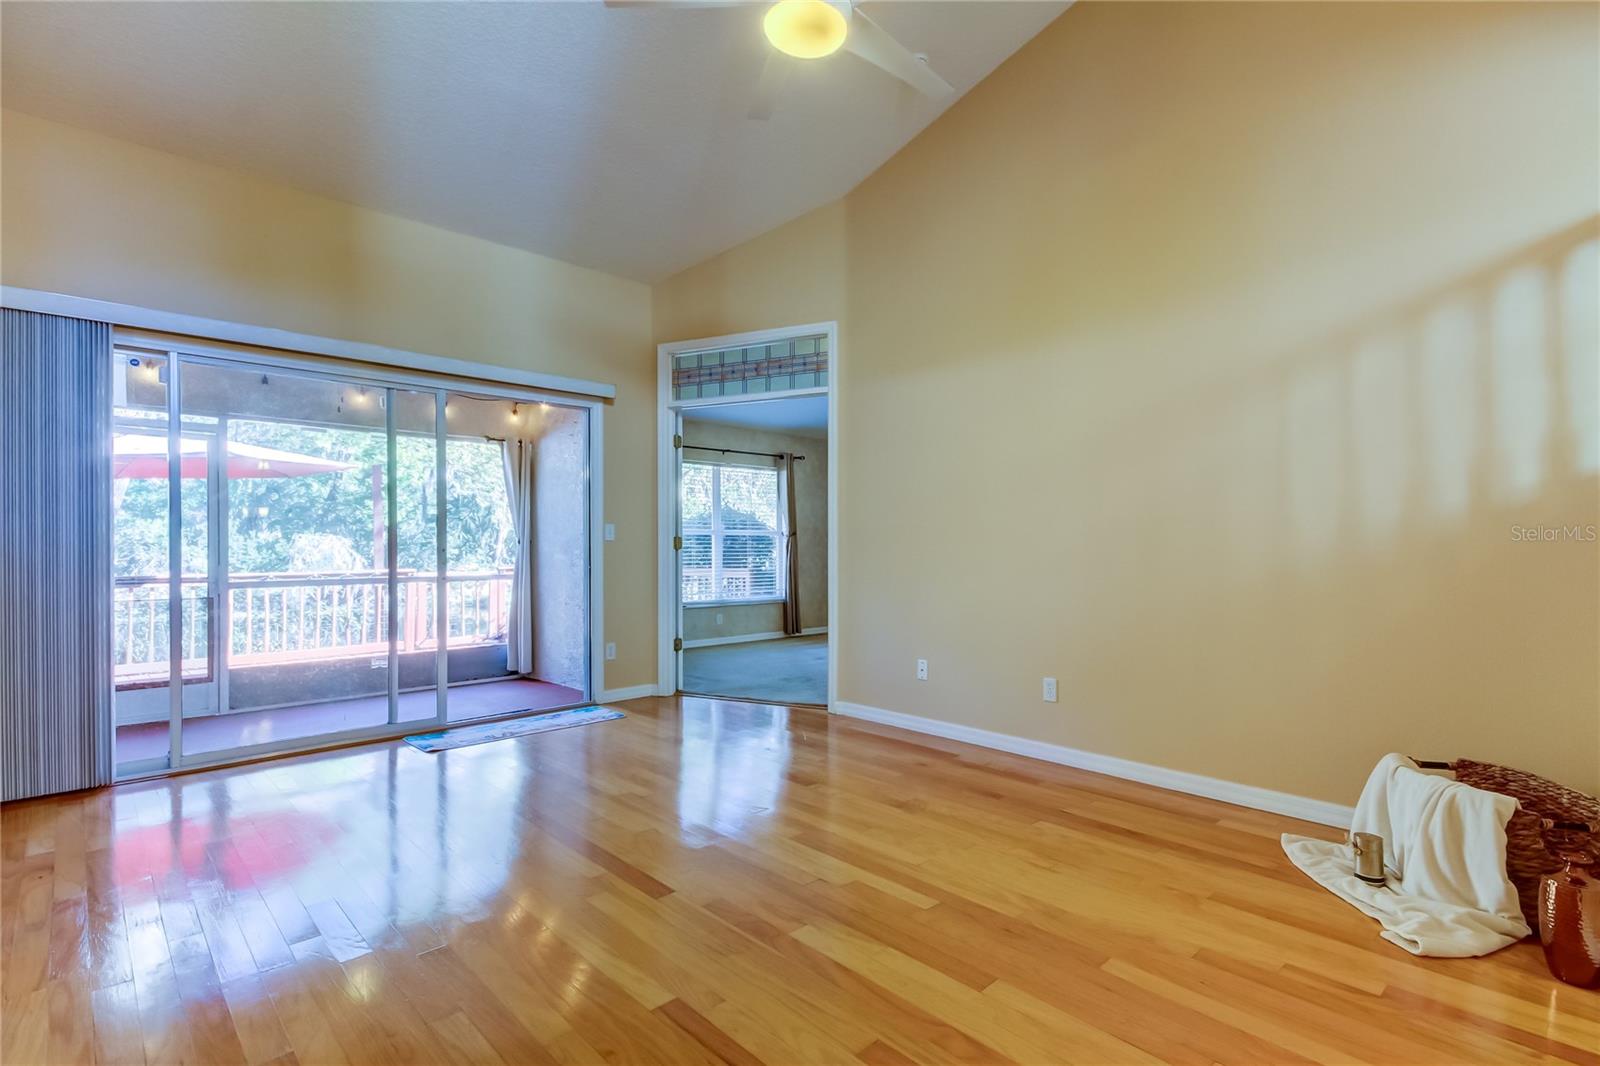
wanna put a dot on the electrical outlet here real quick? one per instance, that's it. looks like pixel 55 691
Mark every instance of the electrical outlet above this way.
pixel 1049 690
pixel 922 669
pixel 610 531
pixel 611 650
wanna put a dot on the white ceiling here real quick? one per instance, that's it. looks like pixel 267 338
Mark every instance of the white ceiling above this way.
pixel 804 416
pixel 611 137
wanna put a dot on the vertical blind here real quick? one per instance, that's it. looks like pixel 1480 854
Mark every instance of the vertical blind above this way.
pixel 732 540
pixel 55 576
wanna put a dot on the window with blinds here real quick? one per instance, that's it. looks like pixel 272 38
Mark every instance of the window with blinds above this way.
pixel 732 544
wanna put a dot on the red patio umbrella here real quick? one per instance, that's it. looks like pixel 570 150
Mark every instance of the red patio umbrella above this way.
pixel 140 455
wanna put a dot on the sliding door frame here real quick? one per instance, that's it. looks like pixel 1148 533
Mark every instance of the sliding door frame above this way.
pixel 174 565
pixel 389 380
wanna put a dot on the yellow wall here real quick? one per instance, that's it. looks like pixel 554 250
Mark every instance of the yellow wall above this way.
pixel 1209 358
pixel 96 217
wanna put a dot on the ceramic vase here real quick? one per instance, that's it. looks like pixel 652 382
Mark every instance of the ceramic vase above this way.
pixel 1569 921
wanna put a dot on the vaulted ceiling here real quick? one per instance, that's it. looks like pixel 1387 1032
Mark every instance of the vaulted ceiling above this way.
pixel 614 137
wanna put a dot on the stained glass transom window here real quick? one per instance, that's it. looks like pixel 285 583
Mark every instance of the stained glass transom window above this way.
pixel 800 363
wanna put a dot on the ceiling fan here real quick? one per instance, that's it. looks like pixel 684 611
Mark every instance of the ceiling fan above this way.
pixel 815 29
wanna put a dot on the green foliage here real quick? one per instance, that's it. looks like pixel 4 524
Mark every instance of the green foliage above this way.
pixel 324 522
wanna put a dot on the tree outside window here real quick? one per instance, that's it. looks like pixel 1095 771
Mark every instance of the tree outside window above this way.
pixel 731 536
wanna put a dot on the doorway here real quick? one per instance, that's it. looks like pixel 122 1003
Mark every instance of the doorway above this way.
pixel 748 517
pixel 320 556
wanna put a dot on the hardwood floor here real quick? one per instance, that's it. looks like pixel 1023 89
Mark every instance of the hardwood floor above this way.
pixel 719 882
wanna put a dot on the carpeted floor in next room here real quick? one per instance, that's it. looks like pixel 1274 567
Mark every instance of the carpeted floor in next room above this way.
pixel 788 670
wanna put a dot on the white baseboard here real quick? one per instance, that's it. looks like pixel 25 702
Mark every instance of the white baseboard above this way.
pixel 1261 799
pixel 632 692
pixel 746 638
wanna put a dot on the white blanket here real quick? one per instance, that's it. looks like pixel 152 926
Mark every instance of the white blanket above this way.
pixel 1445 854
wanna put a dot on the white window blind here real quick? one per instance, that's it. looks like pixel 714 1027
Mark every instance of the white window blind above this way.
pixel 732 542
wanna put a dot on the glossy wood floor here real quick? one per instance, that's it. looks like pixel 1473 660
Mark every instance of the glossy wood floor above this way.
pixel 713 883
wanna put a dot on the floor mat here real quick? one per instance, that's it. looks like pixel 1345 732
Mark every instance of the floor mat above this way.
pixel 466 736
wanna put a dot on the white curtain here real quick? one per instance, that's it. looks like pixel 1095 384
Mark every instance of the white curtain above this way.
pixel 518 456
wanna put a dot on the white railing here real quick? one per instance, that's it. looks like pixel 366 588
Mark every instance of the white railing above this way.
pixel 140 633
pixel 280 618
pixel 699 584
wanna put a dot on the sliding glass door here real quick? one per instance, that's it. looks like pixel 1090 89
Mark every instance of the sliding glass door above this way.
pixel 355 557
pixel 305 529
pixel 419 587
pixel 164 526
pixel 517 549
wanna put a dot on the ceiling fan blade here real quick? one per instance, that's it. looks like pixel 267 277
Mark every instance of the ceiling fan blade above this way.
pixel 770 86
pixel 871 42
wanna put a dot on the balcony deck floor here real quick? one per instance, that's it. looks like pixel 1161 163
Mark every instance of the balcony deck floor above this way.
pixel 214 733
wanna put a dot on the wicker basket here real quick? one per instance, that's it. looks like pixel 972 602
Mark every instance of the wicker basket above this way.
pixel 1551 820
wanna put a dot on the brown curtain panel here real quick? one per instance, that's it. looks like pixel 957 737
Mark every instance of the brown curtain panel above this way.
pixel 791 552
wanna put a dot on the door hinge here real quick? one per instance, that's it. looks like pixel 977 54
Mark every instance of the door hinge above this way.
pixel 677 643
pixel 677 544
pixel 677 440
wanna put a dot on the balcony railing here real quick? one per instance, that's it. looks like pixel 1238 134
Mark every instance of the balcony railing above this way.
pixel 281 618
pixel 699 584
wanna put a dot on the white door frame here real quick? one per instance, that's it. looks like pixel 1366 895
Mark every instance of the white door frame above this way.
pixel 667 412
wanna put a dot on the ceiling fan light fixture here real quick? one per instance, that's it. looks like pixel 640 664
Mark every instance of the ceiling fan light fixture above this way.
pixel 806 29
